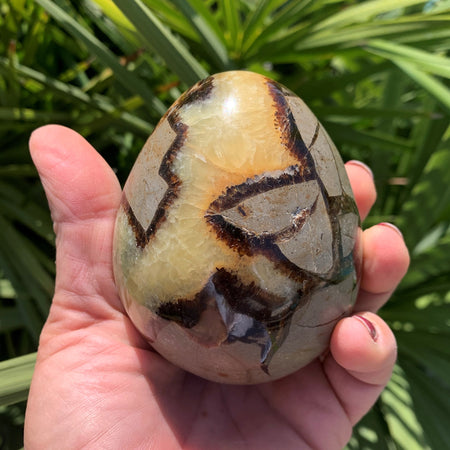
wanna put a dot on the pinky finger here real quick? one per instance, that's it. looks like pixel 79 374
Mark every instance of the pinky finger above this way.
pixel 363 354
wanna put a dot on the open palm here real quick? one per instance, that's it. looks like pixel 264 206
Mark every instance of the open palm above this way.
pixel 98 384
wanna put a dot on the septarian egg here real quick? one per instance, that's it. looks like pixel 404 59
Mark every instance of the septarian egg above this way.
pixel 235 243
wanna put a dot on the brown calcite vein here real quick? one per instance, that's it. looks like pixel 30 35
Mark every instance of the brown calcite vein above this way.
pixel 234 248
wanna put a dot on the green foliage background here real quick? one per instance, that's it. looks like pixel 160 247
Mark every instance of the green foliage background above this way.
pixel 375 73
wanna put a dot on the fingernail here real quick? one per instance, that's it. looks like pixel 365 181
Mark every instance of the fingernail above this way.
pixel 392 227
pixel 369 326
pixel 362 165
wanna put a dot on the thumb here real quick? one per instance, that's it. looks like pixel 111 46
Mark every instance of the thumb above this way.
pixel 83 194
pixel 78 182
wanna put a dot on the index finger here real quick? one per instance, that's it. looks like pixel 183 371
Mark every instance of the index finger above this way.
pixel 363 186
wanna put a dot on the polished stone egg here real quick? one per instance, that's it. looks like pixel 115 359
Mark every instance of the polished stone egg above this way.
pixel 235 247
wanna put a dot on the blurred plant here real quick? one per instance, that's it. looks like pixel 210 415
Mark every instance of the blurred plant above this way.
pixel 375 73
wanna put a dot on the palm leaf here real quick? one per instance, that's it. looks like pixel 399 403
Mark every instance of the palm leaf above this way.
pixel 430 196
pixel 362 12
pixel 203 23
pixel 177 56
pixel 97 48
pixel 430 63
pixel 15 378
pixel 436 88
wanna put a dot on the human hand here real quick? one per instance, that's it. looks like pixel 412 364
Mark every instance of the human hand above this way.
pixel 98 384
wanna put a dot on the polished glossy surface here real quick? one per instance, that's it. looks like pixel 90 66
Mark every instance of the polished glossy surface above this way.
pixel 235 250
